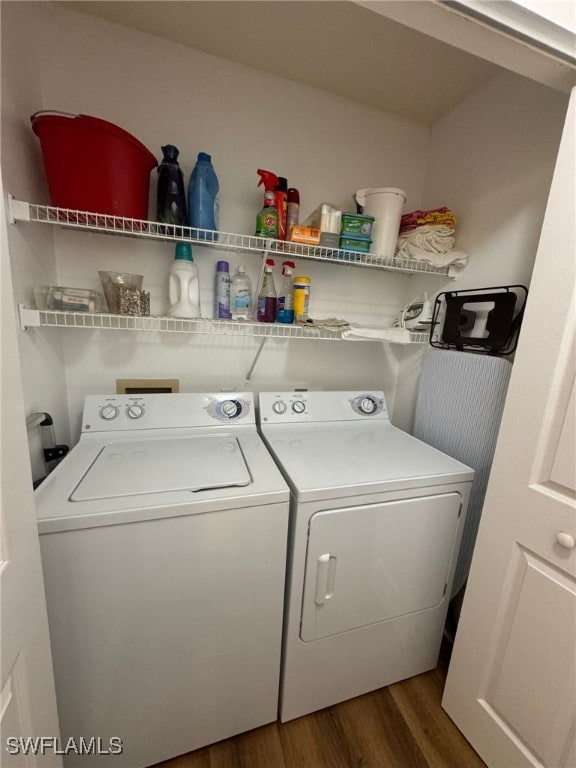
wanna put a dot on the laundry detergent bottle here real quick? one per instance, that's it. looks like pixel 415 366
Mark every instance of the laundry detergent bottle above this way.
pixel 183 285
pixel 170 199
pixel 203 191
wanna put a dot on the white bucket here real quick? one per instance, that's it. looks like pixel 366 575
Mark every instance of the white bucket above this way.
pixel 386 205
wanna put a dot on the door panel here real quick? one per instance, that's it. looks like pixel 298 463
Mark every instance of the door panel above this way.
pixel 377 562
pixel 511 685
pixel 522 641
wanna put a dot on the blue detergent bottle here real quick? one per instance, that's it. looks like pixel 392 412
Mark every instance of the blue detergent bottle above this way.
pixel 203 190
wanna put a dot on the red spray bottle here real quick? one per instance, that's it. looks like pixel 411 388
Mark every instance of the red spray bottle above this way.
pixel 279 186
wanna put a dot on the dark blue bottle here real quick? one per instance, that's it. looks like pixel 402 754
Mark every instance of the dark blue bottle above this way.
pixel 203 197
pixel 171 200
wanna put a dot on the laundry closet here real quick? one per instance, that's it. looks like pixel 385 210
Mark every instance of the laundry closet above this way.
pixel 488 151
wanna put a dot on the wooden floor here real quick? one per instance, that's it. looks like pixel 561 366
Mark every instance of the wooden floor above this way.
pixel 401 726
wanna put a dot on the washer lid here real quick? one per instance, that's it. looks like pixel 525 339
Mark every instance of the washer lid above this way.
pixel 136 467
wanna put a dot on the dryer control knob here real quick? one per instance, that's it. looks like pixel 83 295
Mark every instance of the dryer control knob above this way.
pixel 367 405
pixel 135 411
pixel 231 408
pixel 279 406
pixel 109 412
pixel 298 406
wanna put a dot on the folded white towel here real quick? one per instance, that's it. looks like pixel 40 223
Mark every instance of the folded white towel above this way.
pixel 455 257
pixel 435 239
pixel 398 335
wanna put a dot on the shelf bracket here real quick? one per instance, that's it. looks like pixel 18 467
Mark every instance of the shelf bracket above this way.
pixel 29 318
pixel 17 210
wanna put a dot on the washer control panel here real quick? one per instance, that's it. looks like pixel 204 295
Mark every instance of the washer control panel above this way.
pixel 108 413
pixel 287 407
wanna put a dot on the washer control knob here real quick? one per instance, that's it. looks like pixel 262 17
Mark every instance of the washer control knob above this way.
pixel 135 411
pixel 109 412
pixel 279 406
pixel 231 408
pixel 298 406
pixel 367 405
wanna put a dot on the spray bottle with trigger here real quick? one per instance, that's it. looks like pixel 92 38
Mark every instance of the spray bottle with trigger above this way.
pixel 268 218
pixel 285 301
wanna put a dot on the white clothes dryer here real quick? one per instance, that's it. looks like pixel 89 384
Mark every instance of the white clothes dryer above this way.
pixel 163 538
pixel 376 518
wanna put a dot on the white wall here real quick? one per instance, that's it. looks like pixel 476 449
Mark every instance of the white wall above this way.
pixel 493 157
pixel 32 256
pixel 486 160
pixel 491 161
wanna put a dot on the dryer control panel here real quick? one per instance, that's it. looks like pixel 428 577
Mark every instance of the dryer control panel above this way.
pixel 113 413
pixel 287 407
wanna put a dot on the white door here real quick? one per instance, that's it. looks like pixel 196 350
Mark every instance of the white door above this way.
pixel 27 699
pixel 511 686
pixel 377 562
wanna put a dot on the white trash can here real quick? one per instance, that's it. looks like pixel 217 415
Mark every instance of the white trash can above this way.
pixel 386 205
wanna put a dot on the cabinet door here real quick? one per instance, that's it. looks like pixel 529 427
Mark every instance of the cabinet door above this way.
pixel 511 685
pixel 372 563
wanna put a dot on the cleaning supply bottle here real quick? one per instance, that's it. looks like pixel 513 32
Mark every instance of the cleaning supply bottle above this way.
pixel 285 303
pixel 267 219
pixel 241 295
pixel 266 312
pixel 292 210
pixel 281 195
pixel 301 298
pixel 183 286
pixel 170 199
pixel 203 190
pixel 222 291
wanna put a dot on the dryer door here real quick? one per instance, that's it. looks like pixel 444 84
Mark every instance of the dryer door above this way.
pixel 377 562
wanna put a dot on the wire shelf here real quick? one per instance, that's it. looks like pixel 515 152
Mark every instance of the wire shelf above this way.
pixel 34 318
pixel 223 241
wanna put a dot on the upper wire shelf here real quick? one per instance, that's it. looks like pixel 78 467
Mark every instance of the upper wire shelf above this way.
pixel 223 241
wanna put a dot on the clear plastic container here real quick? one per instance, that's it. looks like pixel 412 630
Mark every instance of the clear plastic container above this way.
pixel 67 299
pixel 326 218
pixel 115 284
pixel 241 295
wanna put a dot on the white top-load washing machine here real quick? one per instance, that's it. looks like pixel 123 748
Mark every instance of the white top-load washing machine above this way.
pixel 163 538
pixel 375 524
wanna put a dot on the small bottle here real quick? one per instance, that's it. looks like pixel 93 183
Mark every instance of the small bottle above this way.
pixel 285 303
pixel 292 210
pixel 183 286
pixel 266 312
pixel 267 219
pixel 203 190
pixel 222 291
pixel 170 200
pixel 240 295
pixel 301 298
pixel 281 195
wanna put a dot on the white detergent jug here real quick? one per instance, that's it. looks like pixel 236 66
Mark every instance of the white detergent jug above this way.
pixel 386 205
pixel 183 286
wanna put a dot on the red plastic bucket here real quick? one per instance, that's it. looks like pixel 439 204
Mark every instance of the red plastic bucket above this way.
pixel 92 165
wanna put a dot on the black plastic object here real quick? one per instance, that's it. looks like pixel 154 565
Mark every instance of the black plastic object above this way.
pixel 485 319
pixel 51 451
pixel 171 199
